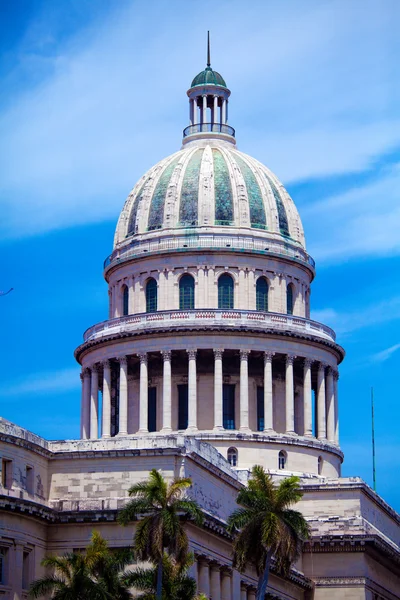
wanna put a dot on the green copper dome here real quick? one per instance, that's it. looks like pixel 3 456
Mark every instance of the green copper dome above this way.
pixel 209 77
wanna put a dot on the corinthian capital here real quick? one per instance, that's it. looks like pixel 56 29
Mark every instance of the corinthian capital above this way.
pixel 268 356
pixel 244 354
pixel 218 352
pixel 143 358
pixel 290 359
pixel 166 354
pixel 192 354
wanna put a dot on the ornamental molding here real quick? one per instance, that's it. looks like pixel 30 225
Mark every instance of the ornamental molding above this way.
pixel 339 581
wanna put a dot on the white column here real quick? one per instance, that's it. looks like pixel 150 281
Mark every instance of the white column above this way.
pixel 268 399
pixel 195 109
pixel 212 290
pixel 216 120
pixel 243 593
pixel 131 288
pixel 143 394
pixel 204 577
pixel 335 388
pixel 243 300
pixel 162 291
pixel 94 403
pixel 215 582
pixel 109 304
pixel 321 407
pixel 289 394
pixel 307 398
pixel 244 390
pixel 330 406
pixel 251 595
pixel 191 112
pixel 192 390
pixel 251 289
pixel 112 290
pixel 223 115
pixel 218 416
pixel 106 428
pixel 227 111
pixel 85 411
pixel 226 585
pixel 204 111
pixel 199 300
pixel 123 396
pixel 167 388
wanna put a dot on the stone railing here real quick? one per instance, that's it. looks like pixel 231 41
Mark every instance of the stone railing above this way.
pixel 176 319
pixel 203 241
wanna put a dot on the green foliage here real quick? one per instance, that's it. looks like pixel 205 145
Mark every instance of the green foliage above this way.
pixel 265 524
pixel 163 510
pixel 176 583
pixel 98 574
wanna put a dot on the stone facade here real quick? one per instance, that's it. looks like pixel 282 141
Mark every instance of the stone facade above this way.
pixel 207 364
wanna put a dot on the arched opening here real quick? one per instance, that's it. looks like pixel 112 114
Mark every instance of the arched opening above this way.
pixel 282 459
pixel 125 300
pixel 232 456
pixel 289 298
pixel 320 464
pixel 225 291
pixel 262 294
pixel 186 292
pixel 151 296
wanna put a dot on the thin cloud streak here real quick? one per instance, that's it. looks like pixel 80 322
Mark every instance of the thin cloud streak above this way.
pixel 44 383
pixel 384 355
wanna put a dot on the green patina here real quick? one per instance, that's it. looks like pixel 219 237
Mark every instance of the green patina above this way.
pixel 132 219
pixel 222 190
pixel 282 216
pixel 258 219
pixel 188 211
pixel 208 77
pixel 156 213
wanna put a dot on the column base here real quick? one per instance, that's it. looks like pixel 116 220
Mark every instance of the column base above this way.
pixel 121 433
pixel 191 430
pixel 290 433
pixel 308 435
pixel 218 428
pixel 166 430
pixel 106 435
pixel 245 430
pixel 143 431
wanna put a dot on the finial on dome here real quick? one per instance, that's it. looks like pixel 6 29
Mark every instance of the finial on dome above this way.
pixel 208 50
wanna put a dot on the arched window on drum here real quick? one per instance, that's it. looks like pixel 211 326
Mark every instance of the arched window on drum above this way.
pixel 289 299
pixel 225 292
pixel 282 459
pixel 125 300
pixel 151 296
pixel 186 292
pixel 232 456
pixel 262 294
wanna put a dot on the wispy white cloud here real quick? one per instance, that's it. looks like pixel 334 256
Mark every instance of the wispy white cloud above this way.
pixel 352 320
pixel 312 96
pixel 384 355
pixel 43 383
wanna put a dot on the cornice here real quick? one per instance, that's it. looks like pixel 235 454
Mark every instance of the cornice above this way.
pixel 242 331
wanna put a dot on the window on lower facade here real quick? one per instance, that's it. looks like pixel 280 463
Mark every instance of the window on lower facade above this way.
pixel 6 473
pixel 152 409
pixel 183 406
pixel 228 401
pixel 232 456
pixel 186 292
pixel 26 575
pixel 260 409
pixel 29 479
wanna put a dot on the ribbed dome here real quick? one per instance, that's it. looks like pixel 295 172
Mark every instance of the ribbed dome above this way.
pixel 209 185
pixel 208 77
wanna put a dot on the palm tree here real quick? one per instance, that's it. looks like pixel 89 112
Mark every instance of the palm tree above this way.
pixel 71 579
pixel 107 568
pixel 176 583
pixel 165 508
pixel 98 574
pixel 266 526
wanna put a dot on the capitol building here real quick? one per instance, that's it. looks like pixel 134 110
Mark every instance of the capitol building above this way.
pixel 207 364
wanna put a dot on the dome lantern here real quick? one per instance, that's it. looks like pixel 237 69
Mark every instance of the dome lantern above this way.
pixel 208 105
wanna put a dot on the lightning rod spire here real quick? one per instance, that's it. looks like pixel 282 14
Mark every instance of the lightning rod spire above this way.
pixel 208 50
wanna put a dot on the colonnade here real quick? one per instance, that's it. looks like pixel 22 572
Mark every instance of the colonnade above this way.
pixel 211 101
pixel 326 396
pixel 220 582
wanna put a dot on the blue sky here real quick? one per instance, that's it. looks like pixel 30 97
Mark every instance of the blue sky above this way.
pixel 93 94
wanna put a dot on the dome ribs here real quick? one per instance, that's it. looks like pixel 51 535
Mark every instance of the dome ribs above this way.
pixel 156 212
pixel 223 190
pixel 256 205
pixel 189 197
pixel 282 216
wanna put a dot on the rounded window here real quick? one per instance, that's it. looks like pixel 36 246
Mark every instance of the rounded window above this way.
pixel 151 296
pixel 225 291
pixel 125 301
pixel 262 294
pixel 186 292
pixel 282 459
pixel 289 298
pixel 232 456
